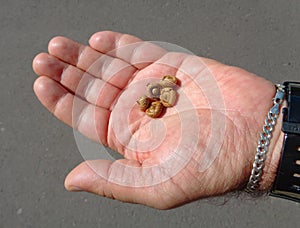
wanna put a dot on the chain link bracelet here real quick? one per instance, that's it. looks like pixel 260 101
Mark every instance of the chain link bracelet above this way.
pixel 264 141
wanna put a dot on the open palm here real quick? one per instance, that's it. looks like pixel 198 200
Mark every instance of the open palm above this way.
pixel 203 146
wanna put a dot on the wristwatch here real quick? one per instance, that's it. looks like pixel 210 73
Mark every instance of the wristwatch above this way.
pixel 287 182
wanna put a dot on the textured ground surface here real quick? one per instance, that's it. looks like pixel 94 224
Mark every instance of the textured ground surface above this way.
pixel 37 151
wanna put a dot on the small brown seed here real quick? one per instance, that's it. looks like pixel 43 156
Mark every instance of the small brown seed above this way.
pixel 155 109
pixel 144 102
pixel 168 97
pixel 168 81
pixel 154 90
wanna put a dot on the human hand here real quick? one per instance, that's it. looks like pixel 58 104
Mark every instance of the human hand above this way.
pixel 103 81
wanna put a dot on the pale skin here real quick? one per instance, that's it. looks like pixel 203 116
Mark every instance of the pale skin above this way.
pixel 247 99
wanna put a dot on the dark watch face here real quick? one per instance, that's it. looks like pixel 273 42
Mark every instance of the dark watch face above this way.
pixel 294 89
pixel 294 102
pixel 287 183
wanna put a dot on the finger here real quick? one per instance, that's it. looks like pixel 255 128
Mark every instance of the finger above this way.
pixel 126 47
pixel 90 120
pixel 106 41
pixel 98 177
pixel 84 85
pixel 112 70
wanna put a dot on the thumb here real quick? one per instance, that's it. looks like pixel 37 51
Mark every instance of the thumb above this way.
pixel 101 177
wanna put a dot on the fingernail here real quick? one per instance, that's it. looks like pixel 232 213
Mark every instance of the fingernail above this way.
pixel 75 189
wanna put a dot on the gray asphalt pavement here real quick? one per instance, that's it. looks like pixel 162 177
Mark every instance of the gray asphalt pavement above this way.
pixel 37 151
